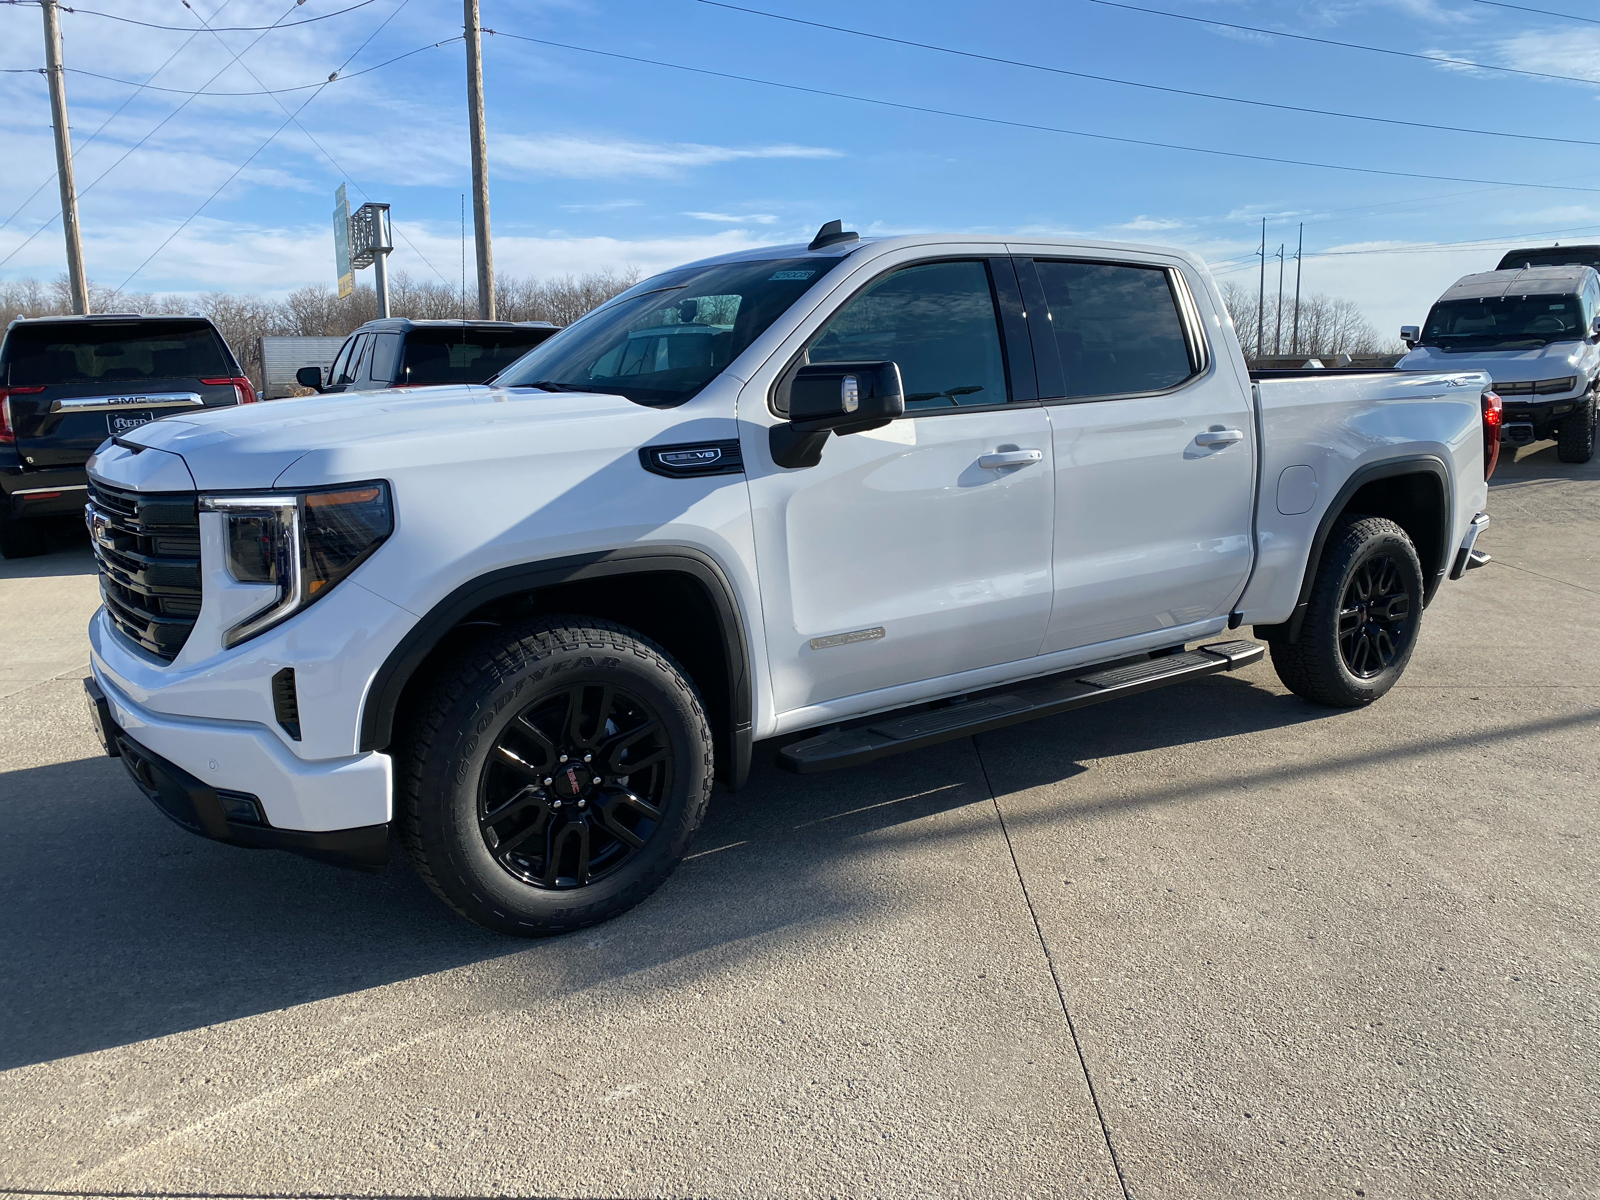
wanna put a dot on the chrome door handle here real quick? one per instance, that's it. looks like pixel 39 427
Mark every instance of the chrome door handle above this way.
pixel 1001 459
pixel 1218 437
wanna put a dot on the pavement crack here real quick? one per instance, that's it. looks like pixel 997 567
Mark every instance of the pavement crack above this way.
pixel 1055 976
pixel 1552 578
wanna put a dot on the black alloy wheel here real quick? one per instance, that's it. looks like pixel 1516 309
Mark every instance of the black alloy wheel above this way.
pixel 1375 617
pixel 554 774
pixel 574 786
pixel 1361 619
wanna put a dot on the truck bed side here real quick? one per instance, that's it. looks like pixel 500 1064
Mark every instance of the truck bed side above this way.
pixel 1400 444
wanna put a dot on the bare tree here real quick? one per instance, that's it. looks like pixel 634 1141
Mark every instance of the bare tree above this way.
pixel 1328 324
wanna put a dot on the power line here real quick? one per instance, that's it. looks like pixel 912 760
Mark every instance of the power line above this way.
pixel 257 151
pixel 1304 37
pixel 132 149
pixel 335 77
pixel 1223 268
pixel 1543 12
pixel 79 147
pixel 1153 87
pixel 89 12
pixel 216 33
pixel 1013 124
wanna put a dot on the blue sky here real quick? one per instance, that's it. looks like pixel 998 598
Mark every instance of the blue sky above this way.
pixel 599 162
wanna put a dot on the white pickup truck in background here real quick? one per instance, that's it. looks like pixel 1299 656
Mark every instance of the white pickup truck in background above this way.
pixel 851 498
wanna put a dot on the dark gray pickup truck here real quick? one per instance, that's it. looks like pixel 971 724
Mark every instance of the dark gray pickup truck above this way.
pixel 68 383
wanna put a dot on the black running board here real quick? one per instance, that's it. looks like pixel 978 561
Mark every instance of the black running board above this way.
pixel 898 732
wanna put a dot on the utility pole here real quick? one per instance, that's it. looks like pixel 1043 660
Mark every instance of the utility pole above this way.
pixel 480 163
pixel 1298 255
pixel 69 188
pixel 1277 338
pixel 1261 292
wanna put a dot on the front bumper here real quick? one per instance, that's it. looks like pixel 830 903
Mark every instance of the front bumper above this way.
pixel 224 815
pixel 1541 414
pixel 305 805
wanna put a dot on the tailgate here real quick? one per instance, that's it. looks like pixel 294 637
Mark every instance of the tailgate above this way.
pixel 61 426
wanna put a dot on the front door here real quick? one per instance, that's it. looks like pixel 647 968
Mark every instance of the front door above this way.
pixel 1154 451
pixel 920 549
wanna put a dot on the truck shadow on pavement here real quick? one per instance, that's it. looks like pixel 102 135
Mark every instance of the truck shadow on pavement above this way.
pixel 69 553
pixel 121 927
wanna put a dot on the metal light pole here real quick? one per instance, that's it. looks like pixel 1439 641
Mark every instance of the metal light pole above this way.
pixel 480 162
pixel 69 189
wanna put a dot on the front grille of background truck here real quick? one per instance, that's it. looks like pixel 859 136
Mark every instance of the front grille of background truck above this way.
pixel 149 556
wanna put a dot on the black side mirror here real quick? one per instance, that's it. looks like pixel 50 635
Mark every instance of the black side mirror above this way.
pixel 310 377
pixel 824 398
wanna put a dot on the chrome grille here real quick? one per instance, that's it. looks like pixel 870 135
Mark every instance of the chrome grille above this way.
pixel 148 548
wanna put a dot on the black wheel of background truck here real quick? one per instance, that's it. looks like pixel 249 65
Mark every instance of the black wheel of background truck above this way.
pixel 19 537
pixel 1575 436
pixel 1361 624
pixel 556 778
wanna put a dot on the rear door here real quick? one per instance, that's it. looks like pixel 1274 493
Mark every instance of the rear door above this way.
pixel 1154 450
pixel 73 383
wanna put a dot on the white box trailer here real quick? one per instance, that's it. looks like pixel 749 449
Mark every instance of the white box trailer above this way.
pixel 281 357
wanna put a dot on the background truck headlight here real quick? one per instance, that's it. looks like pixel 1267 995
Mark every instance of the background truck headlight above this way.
pixel 302 543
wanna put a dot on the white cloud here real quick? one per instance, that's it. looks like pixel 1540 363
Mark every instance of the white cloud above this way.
pixel 1568 52
pixel 1143 224
pixel 734 219
pixel 607 158
pixel 608 206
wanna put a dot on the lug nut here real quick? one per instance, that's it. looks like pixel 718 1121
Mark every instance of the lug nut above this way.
pixel 563 758
pixel 548 781
pixel 588 758
pixel 583 804
pixel 555 804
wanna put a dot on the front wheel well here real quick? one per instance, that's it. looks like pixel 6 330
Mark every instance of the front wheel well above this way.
pixel 685 608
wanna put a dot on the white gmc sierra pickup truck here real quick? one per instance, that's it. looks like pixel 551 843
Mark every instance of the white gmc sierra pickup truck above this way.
pixel 856 497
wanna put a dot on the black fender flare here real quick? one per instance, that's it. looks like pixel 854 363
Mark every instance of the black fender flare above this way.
pixel 1413 464
pixel 389 682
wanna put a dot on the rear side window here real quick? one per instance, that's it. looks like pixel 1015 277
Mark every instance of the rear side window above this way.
pixel 385 356
pixel 464 355
pixel 938 321
pixel 123 352
pixel 1116 326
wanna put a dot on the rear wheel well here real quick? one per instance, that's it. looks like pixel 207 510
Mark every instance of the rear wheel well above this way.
pixel 672 608
pixel 1416 503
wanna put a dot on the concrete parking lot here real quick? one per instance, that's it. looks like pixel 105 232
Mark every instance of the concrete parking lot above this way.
pixel 1208 942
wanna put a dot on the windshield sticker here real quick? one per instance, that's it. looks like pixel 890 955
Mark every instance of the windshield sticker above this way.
pixel 790 275
pixel 1558 307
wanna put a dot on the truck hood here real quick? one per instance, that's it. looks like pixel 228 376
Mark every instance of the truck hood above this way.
pixel 349 434
pixel 1504 366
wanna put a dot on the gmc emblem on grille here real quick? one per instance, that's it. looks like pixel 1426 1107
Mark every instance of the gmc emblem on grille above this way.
pixel 99 528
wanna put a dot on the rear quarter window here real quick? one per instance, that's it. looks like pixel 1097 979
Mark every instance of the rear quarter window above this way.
pixel 73 353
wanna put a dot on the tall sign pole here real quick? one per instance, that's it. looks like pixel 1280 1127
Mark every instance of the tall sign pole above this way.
pixel 76 281
pixel 480 163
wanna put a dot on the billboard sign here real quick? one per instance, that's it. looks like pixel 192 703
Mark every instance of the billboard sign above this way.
pixel 341 243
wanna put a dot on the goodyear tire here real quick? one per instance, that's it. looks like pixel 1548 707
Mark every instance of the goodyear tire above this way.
pixel 556 778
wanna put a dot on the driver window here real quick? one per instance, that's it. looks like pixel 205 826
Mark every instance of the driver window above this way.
pixel 936 320
pixel 351 368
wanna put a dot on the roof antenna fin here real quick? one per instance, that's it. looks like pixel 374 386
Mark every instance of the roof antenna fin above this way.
pixel 832 234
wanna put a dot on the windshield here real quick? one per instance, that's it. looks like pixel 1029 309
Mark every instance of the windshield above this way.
pixel 1504 323
pixel 464 355
pixel 663 341
pixel 116 352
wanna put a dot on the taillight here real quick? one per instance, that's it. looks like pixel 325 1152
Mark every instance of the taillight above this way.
pixel 8 431
pixel 1493 419
pixel 242 387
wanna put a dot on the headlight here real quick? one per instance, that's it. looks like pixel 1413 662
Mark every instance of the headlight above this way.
pixel 302 543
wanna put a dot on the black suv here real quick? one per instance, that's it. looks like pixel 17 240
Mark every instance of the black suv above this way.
pixel 396 352
pixel 68 383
